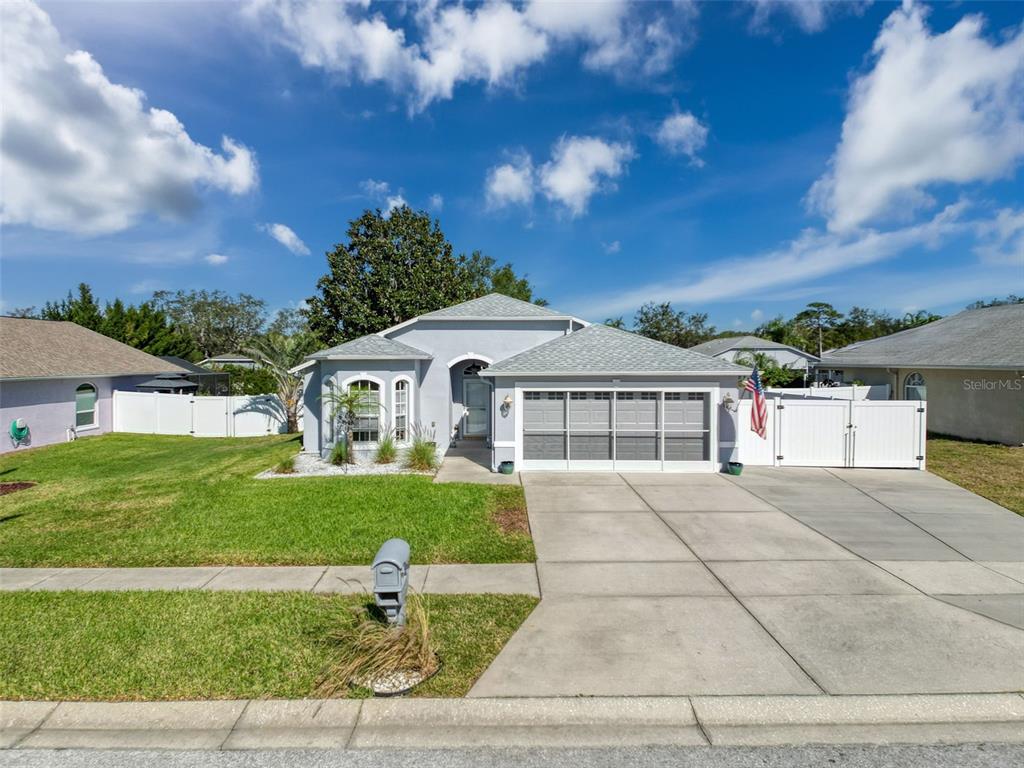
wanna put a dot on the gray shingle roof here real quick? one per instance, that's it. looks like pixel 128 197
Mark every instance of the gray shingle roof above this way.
pixel 601 349
pixel 717 346
pixel 369 347
pixel 493 305
pixel 992 337
pixel 46 349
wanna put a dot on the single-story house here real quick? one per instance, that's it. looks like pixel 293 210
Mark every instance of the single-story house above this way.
pixel 59 378
pixel 969 367
pixel 542 388
pixel 233 358
pixel 731 347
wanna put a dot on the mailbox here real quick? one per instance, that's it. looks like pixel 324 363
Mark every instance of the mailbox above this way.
pixel 391 579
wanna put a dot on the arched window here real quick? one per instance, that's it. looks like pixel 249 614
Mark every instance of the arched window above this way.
pixel 328 408
pixel 402 410
pixel 914 387
pixel 85 407
pixel 366 428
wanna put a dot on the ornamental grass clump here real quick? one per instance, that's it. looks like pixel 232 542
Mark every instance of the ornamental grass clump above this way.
pixel 339 453
pixel 386 450
pixel 285 466
pixel 423 450
pixel 371 654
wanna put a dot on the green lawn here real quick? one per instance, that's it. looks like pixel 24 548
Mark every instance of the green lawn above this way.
pixel 216 645
pixel 993 471
pixel 142 500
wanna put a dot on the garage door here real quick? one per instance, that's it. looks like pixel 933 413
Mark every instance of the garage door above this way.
pixel 626 430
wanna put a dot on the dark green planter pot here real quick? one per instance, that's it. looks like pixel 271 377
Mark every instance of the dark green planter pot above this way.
pixel 507 467
pixel 735 468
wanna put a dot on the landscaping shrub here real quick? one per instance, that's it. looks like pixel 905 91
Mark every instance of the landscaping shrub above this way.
pixel 285 466
pixel 368 649
pixel 339 453
pixel 423 451
pixel 386 450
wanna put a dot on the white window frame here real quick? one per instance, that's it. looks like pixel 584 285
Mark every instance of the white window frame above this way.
pixel 381 392
pixel 711 392
pixel 95 408
pixel 923 385
pixel 327 384
pixel 409 406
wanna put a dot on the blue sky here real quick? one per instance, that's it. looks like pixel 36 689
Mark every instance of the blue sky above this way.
pixel 739 159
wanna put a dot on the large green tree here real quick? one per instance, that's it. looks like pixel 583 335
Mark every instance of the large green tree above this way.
pixel 664 323
pixel 216 322
pixel 82 309
pixel 393 267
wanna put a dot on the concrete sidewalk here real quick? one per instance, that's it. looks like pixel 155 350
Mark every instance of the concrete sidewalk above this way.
pixel 557 722
pixel 500 578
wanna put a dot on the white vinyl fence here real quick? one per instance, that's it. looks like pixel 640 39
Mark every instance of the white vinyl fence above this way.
pixel 156 413
pixel 854 392
pixel 836 433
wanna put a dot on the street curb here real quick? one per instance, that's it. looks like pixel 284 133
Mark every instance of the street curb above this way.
pixel 569 722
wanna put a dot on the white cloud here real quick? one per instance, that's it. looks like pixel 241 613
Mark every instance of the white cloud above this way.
pixel 443 45
pixel 1002 238
pixel 612 248
pixel 436 202
pixel 682 134
pixel 83 154
pixel 934 108
pixel 216 259
pixel 510 183
pixel 146 286
pixel 286 237
pixel 814 254
pixel 580 166
pixel 375 189
pixel 393 202
pixel 757 315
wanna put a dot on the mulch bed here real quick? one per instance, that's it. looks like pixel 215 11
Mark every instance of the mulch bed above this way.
pixel 6 488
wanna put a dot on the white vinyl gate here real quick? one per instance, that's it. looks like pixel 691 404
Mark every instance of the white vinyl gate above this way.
pixel 157 413
pixel 836 433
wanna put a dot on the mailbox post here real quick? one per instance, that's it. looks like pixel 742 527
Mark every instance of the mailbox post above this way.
pixel 391 579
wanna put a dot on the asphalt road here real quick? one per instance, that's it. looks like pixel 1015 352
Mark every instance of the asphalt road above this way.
pixel 969 756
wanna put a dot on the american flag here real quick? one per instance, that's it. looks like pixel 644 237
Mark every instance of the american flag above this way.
pixel 759 411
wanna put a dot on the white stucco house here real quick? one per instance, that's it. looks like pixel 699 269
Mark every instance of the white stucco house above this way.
pixel 969 367
pixel 731 347
pixel 542 388
pixel 60 377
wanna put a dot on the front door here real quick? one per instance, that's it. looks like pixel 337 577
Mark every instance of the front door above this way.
pixel 476 397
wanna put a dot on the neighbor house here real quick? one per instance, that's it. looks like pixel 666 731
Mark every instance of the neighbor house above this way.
pixel 969 367
pixel 542 388
pixel 59 378
pixel 732 347
pixel 235 359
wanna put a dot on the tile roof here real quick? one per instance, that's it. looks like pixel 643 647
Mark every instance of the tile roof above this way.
pixel 44 349
pixel 992 337
pixel 493 305
pixel 728 343
pixel 601 349
pixel 371 346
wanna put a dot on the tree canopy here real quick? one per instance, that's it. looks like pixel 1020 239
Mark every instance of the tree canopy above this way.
pixel 396 266
pixel 217 322
pixel 662 322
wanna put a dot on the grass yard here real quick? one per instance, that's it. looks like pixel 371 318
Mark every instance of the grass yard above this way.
pixel 993 471
pixel 147 500
pixel 216 645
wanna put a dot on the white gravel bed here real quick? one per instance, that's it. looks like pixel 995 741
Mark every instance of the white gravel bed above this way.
pixel 311 465
pixel 392 683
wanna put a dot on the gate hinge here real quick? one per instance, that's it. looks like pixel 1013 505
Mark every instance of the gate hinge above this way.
pixel 779 458
pixel 780 407
pixel 920 458
pixel 920 410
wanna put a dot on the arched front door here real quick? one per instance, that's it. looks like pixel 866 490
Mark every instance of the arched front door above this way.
pixel 476 399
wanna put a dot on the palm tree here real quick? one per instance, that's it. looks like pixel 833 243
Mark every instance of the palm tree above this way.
pixel 346 405
pixel 772 374
pixel 278 353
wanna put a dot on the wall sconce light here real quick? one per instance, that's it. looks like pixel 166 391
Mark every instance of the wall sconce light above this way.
pixel 506 405
pixel 729 404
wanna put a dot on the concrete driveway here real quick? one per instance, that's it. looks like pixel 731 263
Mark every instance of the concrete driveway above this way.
pixel 781 581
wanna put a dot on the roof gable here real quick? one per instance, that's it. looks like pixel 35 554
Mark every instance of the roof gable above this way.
pixel 602 349
pixel 990 337
pixel 728 343
pixel 49 349
pixel 371 346
pixel 492 306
